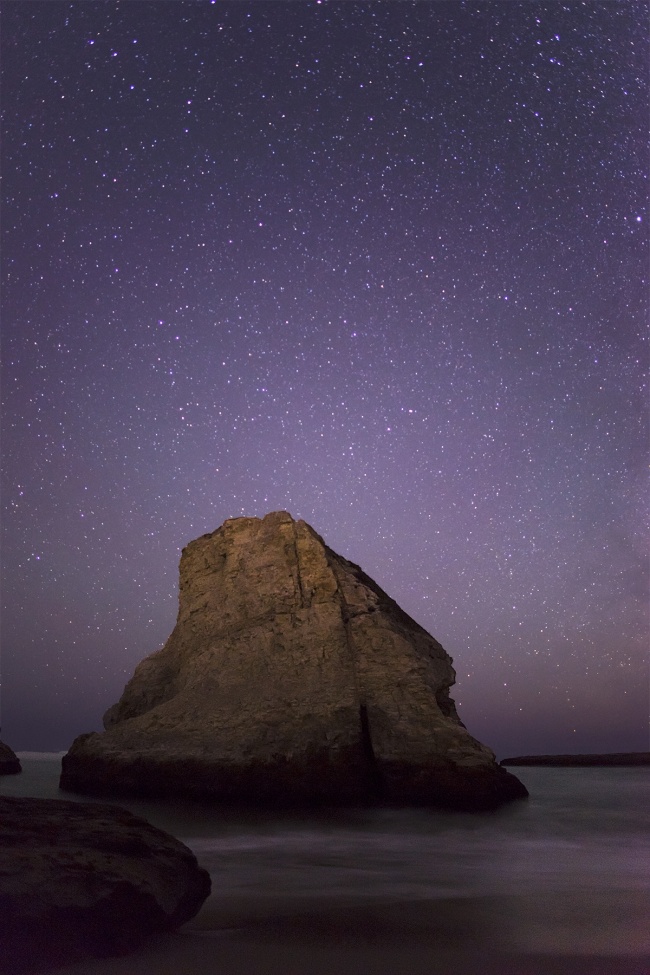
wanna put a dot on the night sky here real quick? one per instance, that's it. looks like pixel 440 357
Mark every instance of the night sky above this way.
pixel 379 264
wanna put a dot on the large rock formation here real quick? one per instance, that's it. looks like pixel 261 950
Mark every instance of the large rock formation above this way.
pixel 9 761
pixel 290 676
pixel 79 880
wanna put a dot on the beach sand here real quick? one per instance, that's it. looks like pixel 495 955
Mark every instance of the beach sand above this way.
pixel 459 936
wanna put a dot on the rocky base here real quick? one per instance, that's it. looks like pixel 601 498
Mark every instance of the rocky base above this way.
pixel 84 880
pixel 9 762
pixel 317 779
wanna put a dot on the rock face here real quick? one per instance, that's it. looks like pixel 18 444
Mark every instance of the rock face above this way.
pixel 81 880
pixel 9 762
pixel 290 676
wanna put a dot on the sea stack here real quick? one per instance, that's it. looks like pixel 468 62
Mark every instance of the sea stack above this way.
pixel 290 677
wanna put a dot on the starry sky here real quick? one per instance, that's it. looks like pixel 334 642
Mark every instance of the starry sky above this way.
pixel 380 264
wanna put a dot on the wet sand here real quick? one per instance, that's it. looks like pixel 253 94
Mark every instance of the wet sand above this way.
pixel 460 936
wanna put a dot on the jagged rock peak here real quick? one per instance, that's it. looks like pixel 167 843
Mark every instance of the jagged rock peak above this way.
pixel 290 676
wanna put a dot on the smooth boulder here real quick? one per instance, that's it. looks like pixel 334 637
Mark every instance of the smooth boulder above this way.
pixel 81 880
pixel 290 676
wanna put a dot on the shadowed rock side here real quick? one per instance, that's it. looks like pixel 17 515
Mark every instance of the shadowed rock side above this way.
pixel 83 880
pixel 9 761
pixel 290 676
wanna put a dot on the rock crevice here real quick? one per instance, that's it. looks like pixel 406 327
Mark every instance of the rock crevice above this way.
pixel 296 555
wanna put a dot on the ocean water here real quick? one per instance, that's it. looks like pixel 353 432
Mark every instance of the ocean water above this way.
pixel 566 872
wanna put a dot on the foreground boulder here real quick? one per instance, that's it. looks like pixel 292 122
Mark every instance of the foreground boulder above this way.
pixel 290 676
pixel 81 880
pixel 9 761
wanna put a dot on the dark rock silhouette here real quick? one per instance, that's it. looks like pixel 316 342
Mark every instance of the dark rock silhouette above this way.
pixel 290 676
pixel 9 761
pixel 82 880
pixel 625 759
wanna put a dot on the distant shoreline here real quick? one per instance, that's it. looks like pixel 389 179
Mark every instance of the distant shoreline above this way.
pixel 607 759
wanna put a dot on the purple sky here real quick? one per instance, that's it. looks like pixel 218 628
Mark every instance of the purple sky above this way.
pixel 378 264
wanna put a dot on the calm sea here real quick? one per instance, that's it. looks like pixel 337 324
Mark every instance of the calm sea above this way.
pixel 567 871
